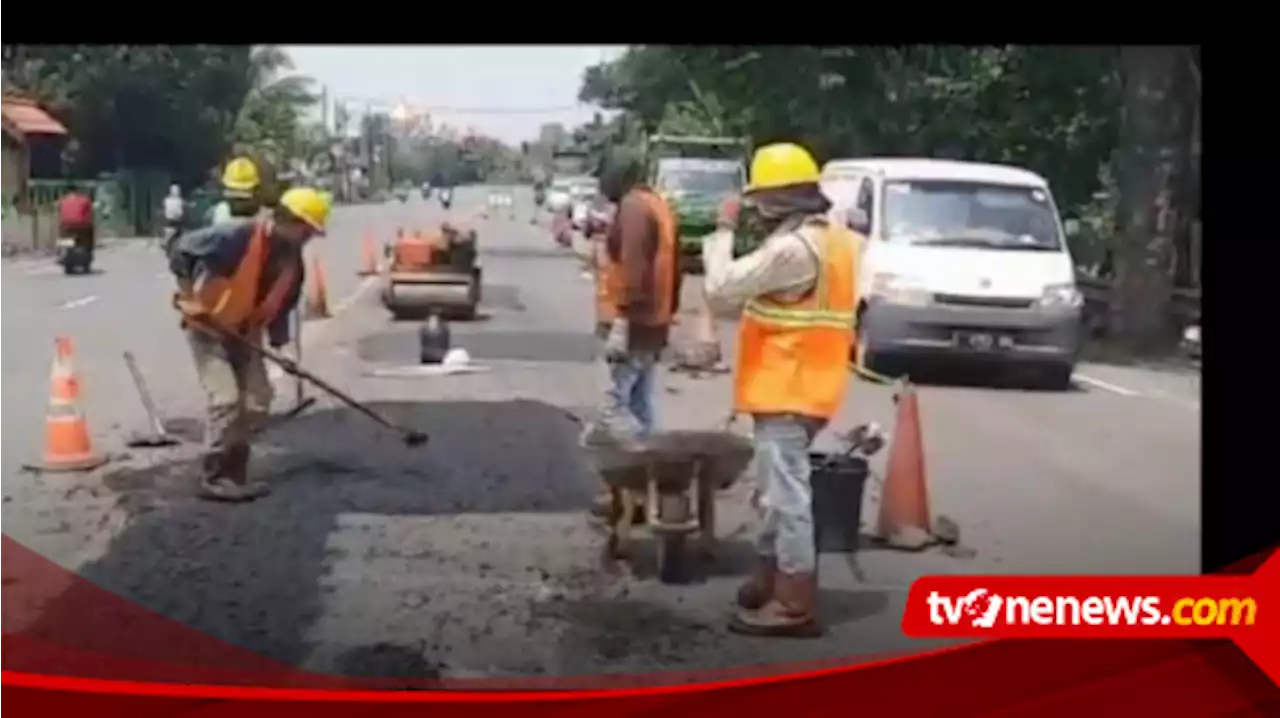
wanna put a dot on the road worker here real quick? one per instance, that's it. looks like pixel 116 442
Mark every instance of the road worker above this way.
pixel 241 191
pixel 241 277
pixel 797 293
pixel 637 295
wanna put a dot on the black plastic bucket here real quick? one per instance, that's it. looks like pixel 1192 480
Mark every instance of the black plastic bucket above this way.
pixel 837 483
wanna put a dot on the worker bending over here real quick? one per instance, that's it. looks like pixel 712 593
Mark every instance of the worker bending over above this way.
pixel 241 277
pixel 241 192
pixel 797 291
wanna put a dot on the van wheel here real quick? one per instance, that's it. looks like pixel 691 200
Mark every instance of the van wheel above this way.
pixel 1056 377
pixel 864 357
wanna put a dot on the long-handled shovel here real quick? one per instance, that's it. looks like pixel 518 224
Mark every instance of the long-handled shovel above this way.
pixel 157 436
pixel 410 437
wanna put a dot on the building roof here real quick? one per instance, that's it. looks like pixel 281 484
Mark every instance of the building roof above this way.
pixel 26 118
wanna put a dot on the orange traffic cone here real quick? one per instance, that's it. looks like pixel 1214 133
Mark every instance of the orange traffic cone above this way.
pixel 370 253
pixel 904 503
pixel 66 443
pixel 317 306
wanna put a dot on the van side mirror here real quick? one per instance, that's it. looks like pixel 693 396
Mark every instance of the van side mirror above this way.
pixel 859 221
pixel 1071 227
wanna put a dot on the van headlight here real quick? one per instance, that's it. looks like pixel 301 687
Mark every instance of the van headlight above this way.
pixel 1061 296
pixel 900 290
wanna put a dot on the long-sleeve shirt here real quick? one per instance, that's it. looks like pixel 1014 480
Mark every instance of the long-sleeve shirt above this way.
pixel 217 251
pixel 786 265
pixel 632 243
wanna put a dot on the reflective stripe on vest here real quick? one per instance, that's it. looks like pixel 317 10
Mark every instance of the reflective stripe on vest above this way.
pixel 233 302
pixel 611 284
pixel 793 357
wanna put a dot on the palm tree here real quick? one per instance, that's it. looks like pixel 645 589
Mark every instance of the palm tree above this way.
pixel 269 121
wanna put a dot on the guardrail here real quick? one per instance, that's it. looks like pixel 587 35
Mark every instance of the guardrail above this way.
pixel 1184 307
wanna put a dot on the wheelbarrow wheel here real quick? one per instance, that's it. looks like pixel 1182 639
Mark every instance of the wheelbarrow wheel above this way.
pixel 671 558
pixel 672 566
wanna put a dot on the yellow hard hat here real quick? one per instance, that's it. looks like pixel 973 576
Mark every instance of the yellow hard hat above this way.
pixel 782 164
pixel 241 175
pixel 307 205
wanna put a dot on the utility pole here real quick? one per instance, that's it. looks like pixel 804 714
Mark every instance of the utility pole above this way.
pixel 324 109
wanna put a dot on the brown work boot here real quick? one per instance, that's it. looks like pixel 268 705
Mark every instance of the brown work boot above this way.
pixel 791 613
pixel 231 482
pixel 758 589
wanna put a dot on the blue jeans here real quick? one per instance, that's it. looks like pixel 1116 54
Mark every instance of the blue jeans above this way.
pixel 627 410
pixel 782 467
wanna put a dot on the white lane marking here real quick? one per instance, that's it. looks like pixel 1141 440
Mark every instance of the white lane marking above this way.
pixel 310 331
pixel 80 302
pixel 40 270
pixel 1104 385
pixel 365 285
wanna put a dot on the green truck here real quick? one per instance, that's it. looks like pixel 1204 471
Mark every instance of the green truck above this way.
pixel 695 174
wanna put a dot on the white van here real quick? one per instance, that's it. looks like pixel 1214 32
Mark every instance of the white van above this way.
pixel 962 261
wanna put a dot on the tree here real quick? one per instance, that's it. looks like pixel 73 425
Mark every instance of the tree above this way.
pixel 1060 111
pixel 270 120
pixel 1153 164
pixel 174 108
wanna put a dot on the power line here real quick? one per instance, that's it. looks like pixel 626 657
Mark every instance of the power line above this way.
pixel 430 108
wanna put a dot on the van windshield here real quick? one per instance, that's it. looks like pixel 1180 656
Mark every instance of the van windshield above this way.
pixel 970 214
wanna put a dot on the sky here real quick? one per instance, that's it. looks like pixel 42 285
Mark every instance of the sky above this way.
pixel 504 91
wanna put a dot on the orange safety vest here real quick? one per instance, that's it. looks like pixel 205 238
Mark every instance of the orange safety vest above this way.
pixel 611 284
pixel 233 301
pixel 793 357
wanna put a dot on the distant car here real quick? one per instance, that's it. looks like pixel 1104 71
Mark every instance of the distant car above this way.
pixel 558 197
pixel 500 199
pixel 582 196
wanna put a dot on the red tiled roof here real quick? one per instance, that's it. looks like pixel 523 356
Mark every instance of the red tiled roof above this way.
pixel 26 117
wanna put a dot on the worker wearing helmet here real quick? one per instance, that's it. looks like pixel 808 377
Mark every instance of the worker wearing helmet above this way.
pixel 241 277
pixel 241 196
pixel 797 293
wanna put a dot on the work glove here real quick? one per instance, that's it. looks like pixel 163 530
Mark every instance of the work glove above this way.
pixel 727 216
pixel 190 307
pixel 616 346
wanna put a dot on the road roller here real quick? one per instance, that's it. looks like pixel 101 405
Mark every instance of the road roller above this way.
pixel 436 272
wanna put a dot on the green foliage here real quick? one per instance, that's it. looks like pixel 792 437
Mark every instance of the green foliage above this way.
pixel 1077 115
pixel 175 108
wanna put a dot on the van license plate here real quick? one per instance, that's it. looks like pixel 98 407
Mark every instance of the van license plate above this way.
pixel 977 341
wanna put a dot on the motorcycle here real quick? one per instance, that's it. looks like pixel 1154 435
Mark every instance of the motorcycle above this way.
pixel 170 234
pixel 446 198
pixel 75 257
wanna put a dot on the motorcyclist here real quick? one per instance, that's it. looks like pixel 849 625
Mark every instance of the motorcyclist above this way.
pixel 539 192
pixel 75 219
pixel 446 196
pixel 174 211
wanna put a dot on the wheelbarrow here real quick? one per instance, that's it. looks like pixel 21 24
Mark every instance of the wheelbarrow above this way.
pixel 678 475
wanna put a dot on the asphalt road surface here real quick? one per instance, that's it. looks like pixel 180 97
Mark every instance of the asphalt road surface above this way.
pixel 473 557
